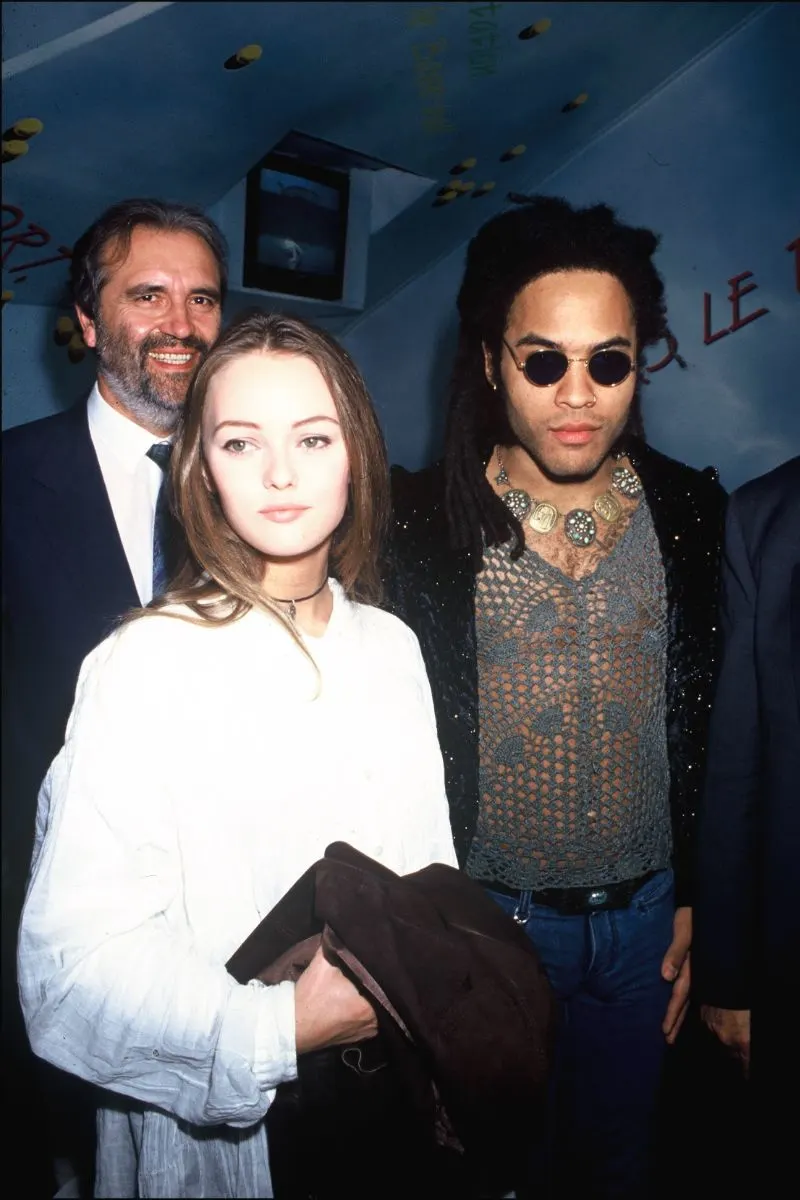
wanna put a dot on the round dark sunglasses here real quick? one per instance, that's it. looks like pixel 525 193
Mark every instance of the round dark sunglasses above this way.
pixel 543 368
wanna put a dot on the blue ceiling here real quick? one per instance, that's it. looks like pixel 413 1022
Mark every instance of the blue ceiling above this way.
pixel 135 100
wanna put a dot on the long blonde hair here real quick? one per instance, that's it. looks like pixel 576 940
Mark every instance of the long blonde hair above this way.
pixel 222 576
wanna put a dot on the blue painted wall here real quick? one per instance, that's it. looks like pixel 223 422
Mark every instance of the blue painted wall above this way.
pixel 38 378
pixel 711 162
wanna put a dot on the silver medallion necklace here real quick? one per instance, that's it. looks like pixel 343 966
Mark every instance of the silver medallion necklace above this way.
pixel 580 527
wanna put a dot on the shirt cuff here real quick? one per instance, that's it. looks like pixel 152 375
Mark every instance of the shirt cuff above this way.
pixel 275 1049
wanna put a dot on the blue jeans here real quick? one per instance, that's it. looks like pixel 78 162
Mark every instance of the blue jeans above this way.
pixel 605 969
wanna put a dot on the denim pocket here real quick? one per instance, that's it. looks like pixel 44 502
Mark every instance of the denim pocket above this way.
pixel 655 891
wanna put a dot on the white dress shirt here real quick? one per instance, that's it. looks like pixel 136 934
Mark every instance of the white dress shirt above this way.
pixel 132 481
pixel 204 770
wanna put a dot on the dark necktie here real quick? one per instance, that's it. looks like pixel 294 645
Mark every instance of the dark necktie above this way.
pixel 163 531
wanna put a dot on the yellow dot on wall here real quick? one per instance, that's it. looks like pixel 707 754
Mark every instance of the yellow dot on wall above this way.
pixel 243 58
pixel 65 330
pixel 466 164
pixel 467 187
pixel 445 197
pixel 249 54
pixel 14 149
pixel 28 127
pixel 580 99
pixel 484 188
pixel 514 152
pixel 535 30
pixel 76 348
pixel 7 296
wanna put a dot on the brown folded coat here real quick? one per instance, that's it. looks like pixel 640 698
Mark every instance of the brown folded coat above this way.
pixel 465 1012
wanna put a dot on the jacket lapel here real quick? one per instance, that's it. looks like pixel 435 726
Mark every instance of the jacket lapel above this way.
pixel 690 575
pixel 75 516
pixel 669 523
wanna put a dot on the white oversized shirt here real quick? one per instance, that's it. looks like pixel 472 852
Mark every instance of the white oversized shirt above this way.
pixel 199 779
pixel 132 482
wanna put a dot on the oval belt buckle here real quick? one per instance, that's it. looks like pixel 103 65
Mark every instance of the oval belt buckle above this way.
pixel 598 896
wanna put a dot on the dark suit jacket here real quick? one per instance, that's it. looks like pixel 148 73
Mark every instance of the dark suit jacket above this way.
pixel 65 581
pixel 747 912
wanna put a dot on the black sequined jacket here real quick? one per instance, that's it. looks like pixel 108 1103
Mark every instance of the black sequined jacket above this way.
pixel 432 588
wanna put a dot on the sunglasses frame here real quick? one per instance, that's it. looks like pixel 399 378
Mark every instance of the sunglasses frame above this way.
pixel 521 366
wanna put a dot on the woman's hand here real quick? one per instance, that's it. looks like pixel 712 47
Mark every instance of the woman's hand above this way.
pixel 329 1009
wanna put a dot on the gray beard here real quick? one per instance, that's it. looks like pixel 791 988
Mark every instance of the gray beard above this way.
pixel 142 401
pixel 124 368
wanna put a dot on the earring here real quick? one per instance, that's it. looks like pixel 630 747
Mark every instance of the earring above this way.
pixel 493 385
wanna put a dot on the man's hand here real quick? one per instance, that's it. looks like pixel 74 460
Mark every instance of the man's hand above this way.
pixel 732 1027
pixel 676 969
pixel 329 1009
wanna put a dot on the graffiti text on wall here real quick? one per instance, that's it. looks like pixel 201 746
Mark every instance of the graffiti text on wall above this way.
pixel 31 237
pixel 483 39
pixel 428 71
pixel 739 289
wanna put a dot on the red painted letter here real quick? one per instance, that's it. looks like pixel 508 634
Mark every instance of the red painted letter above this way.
pixel 708 336
pixel 64 252
pixel 33 236
pixel 672 350
pixel 735 296
pixel 17 215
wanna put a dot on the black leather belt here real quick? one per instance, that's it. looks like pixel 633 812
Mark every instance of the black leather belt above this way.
pixel 574 901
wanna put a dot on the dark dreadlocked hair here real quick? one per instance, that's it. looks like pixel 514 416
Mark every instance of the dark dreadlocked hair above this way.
pixel 541 235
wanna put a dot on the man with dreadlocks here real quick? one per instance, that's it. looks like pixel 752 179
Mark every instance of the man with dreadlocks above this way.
pixel 561 576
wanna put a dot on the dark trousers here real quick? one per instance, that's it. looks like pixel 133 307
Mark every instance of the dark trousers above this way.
pixel 708 1132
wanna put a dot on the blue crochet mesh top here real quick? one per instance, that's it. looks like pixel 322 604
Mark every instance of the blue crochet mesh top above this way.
pixel 574 777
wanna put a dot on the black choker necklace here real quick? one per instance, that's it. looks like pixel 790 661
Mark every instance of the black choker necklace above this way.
pixel 298 600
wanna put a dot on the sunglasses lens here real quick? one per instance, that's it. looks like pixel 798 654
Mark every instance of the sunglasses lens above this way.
pixel 546 367
pixel 609 367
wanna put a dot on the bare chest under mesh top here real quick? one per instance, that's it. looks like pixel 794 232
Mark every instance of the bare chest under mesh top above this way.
pixel 574 777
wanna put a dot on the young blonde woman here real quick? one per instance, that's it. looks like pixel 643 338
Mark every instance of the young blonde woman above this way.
pixel 219 741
